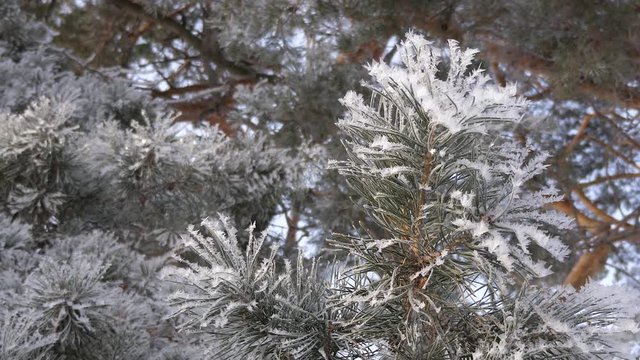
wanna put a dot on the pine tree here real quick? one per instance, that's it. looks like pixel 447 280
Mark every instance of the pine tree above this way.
pixel 454 277
pixel 98 183
pixel 280 66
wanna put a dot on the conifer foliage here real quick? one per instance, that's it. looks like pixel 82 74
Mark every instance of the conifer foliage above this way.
pixel 97 183
pixel 429 155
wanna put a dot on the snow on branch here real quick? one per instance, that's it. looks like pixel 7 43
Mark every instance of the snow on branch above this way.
pixel 245 302
pixel 433 156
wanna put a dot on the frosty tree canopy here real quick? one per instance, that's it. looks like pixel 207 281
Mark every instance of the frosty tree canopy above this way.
pixel 98 186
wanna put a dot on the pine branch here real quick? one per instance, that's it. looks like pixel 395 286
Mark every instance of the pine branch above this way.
pixel 210 51
pixel 430 157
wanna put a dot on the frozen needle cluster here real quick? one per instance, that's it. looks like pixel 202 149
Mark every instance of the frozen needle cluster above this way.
pixel 451 278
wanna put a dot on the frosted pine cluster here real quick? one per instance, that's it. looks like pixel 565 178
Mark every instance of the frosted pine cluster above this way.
pixel 430 154
pixel 98 186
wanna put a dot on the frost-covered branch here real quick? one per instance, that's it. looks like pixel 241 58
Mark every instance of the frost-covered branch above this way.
pixel 248 305
pixel 431 156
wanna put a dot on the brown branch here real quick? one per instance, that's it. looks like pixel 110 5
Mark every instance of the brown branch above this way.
pixel 589 264
pixel 209 50
pixel 445 24
pixel 603 179
pixel 595 209
pixel 143 28
pixel 579 136
pixel 587 223
pixel 611 238
pixel 623 95
pixel 148 24
pixel 614 151
pixel 500 52
pixel 369 50
pixel 205 110
pixel 592 262
pixel 621 131
pixel 107 35
pixel 185 65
